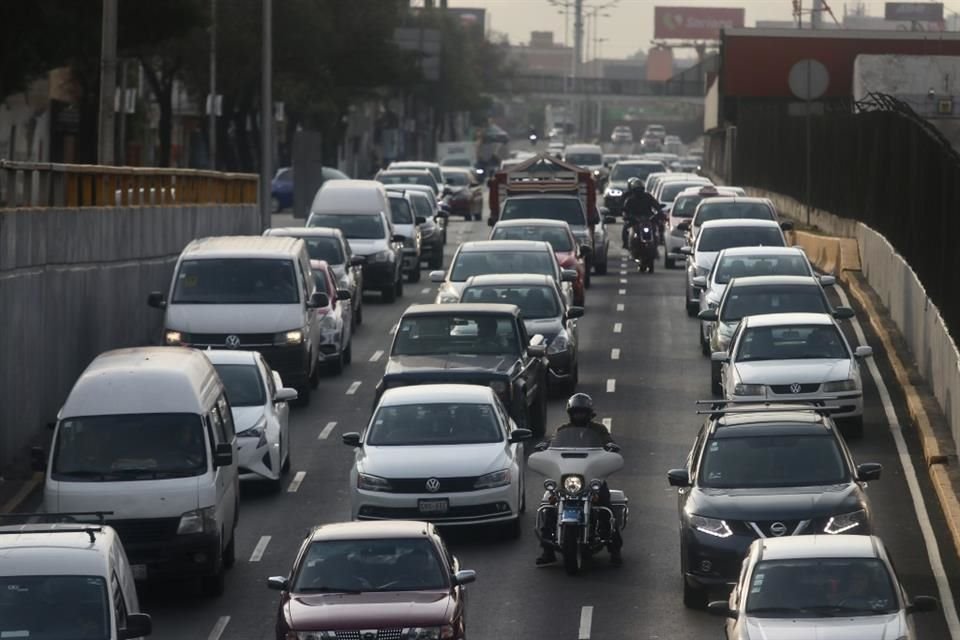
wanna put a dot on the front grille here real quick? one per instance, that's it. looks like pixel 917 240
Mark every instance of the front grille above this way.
pixel 148 531
pixel 419 485
pixel 328 349
pixel 478 512
pixel 371 634
pixel 788 389
pixel 220 339
pixel 768 528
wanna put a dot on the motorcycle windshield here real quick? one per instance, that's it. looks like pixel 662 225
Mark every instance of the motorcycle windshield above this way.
pixel 592 464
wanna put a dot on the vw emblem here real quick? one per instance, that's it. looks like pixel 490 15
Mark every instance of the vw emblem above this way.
pixel 778 529
pixel 433 485
pixel 795 387
pixel 232 342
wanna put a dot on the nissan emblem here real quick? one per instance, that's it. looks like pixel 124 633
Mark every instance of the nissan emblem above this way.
pixel 777 529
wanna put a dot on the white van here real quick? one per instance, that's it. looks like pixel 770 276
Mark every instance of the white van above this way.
pixel 248 292
pixel 148 435
pixel 67 581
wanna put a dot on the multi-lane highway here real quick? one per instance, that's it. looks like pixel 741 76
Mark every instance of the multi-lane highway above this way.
pixel 641 361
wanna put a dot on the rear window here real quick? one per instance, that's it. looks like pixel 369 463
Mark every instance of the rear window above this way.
pixel 744 301
pixel 623 172
pixel 559 239
pixel 400 211
pixel 584 159
pixel 478 263
pixel 568 210
pixel 685 206
pixel 354 226
pixel 742 266
pixel 535 302
pixel 670 190
pixel 421 205
pixel 328 249
pixel 408 178
pixel 730 210
pixel 236 281
pixel 456 178
pixel 720 238
pixel 463 334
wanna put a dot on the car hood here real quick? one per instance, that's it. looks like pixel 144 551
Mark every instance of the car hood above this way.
pixel 408 364
pixel 777 503
pixel 547 327
pixel 451 288
pixel 234 318
pixel 617 184
pixel 881 627
pixel 790 371
pixel 332 611
pixel 245 417
pixel 367 247
pixel 451 461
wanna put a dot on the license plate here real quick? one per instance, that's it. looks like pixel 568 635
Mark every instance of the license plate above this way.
pixel 434 506
pixel 139 571
pixel 572 513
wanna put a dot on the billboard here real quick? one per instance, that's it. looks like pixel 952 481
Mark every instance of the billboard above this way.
pixel 914 11
pixel 471 18
pixel 700 23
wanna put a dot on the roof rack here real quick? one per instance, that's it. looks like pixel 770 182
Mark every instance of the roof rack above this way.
pixel 724 407
pixel 89 529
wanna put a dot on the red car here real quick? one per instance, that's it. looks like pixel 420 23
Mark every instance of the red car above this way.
pixel 381 579
pixel 560 237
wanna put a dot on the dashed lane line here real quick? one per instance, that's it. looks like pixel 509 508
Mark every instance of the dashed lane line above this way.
pixel 623 281
pixel 586 621
pixel 608 423
pixel 611 385
pixel 352 389
pixel 614 354
pixel 425 290
pixel 296 482
pixel 327 430
pixel 622 292
pixel 376 355
pixel 620 307
pixel 218 628
pixel 259 550
pixel 618 327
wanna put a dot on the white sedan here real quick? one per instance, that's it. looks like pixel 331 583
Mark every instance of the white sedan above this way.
pixel 259 405
pixel 795 356
pixel 445 453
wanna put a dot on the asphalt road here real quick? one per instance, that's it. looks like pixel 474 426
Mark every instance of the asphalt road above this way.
pixel 648 393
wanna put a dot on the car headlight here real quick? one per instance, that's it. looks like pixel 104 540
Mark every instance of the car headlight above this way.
pixel 172 338
pixel 258 430
pixel 559 344
pixel 573 484
pixel 448 297
pixel 711 526
pixel 427 230
pixel 328 323
pixel 840 385
pixel 198 521
pixel 382 256
pixel 500 478
pixel 444 632
pixel 701 271
pixel 372 483
pixel 748 390
pixel 845 522
pixel 614 193
pixel 289 337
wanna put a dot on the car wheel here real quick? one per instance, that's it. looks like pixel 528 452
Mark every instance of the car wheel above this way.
pixel 512 529
pixel 389 294
pixel 693 598
pixel 314 378
pixel 693 306
pixel 213 586
pixel 600 266
pixel 348 353
pixel 230 553
pixel 414 275
pixel 285 467
pixel 436 260
pixel 399 287
pixel 303 395
pixel 336 366
pixel 716 382
pixel 667 261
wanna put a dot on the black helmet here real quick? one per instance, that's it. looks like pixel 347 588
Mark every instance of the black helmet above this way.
pixel 581 406
pixel 634 184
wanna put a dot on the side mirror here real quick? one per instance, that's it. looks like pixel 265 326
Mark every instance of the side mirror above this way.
pixel 710 315
pixel 285 394
pixel 843 313
pixel 923 604
pixel 568 275
pixel 678 478
pixel 398 238
pixel 277 583
pixel 318 300
pixel 223 455
pixel 464 576
pixel 139 625
pixel 720 609
pixel 720 356
pixel 38 459
pixel 157 300
pixel 519 435
pixel 343 294
pixel 609 219
pixel 537 350
pixel 574 312
pixel 686 250
pixel 351 439
pixel 700 282
pixel 827 281
pixel 786 225
pixel 357 261
pixel 869 471
pixel 437 276
pixel 421 220
pixel 863 352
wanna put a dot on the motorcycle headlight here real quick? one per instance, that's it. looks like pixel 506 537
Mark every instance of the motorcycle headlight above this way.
pixel 550 485
pixel 198 521
pixel 500 478
pixel 711 526
pixel 596 485
pixel 614 193
pixel 840 385
pixel 559 344
pixel 845 522
pixel 572 484
pixel 258 430
pixel 289 337
pixel 372 483
pixel 382 256
pixel 748 390
pixel 172 338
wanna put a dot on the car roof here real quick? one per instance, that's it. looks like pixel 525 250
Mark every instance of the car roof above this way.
pixel 460 309
pixel 405 171
pixel 575 148
pixel 56 549
pixel 542 196
pixel 736 199
pixel 821 546
pixel 777 319
pixel 398 194
pixel 642 163
pixel 509 279
pixel 144 380
pixel 411 164
pixel 762 251
pixel 380 529
pixel 505 245
pixel 304 232
pixel 532 222
pixel 243 247
pixel 437 394
pixel 230 356
pixel 738 222
pixel 759 281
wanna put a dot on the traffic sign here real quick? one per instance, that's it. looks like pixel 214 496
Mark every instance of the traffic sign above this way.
pixel 808 79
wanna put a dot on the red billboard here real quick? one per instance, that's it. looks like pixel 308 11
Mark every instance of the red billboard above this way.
pixel 699 23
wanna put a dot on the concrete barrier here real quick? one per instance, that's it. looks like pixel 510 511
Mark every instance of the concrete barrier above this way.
pixel 73 283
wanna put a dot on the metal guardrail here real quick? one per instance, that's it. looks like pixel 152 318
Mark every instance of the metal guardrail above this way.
pixel 44 184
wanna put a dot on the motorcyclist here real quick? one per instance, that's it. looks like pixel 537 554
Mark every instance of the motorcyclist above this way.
pixel 637 207
pixel 581 414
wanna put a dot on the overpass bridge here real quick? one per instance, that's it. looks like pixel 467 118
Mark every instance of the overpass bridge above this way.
pixel 619 90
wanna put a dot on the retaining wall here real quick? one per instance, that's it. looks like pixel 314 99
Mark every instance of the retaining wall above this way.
pixel 74 283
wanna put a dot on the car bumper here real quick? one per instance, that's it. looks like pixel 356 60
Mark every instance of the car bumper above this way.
pixel 713 562
pixel 330 348
pixel 473 507
pixel 378 275
pixel 255 462
pixel 850 404
pixel 189 555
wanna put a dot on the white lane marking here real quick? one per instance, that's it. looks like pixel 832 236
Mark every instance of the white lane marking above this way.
pixel 327 430
pixel 910 475
pixel 376 355
pixel 620 307
pixel 586 621
pixel 352 389
pixel 218 628
pixel 392 330
pixel 623 281
pixel 296 482
pixel 425 290
pixel 611 385
pixel 614 354
pixel 259 550
pixel 618 327
pixel 622 292
pixel 608 423
pixel 623 272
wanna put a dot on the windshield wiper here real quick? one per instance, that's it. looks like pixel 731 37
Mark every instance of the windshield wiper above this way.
pixel 329 590
pixel 85 473
pixel 836 610
pixel 785 610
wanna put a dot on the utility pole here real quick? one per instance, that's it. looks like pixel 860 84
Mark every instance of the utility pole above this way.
pixel 577 36
pixel 212 150
pixel 108 83
pixel 816 15
pixel 122 142
pixel 266 114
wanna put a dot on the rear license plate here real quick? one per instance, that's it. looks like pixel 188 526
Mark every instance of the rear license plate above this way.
pixel 434 506
pixel 139 571
pixel 574 514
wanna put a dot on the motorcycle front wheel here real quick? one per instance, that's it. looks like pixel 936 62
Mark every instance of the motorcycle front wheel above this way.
pixel 572 552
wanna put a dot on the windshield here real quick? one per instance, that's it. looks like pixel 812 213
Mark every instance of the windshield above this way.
pixel 584 159
pixel 772 461
pixel 821 588
pixel 460 334
pixel 244 384
pixel 720 238
pixel 672 189
pixel 54 608
pixel 480 263
pixel 457 162
pixel 535 302
pixel 569 210
pixel 408 178
pixel 355 226
pixel 130 447
pixel 559 239
pixel 757 300
pixel 328 249
pixel 400 212
pixel 576 438
pixel 456 178
pixel 338 566
pixel 743 266
pixel 434 424
pixel 730 210
pixel 623 172
pixel 236 281
pixel 819 341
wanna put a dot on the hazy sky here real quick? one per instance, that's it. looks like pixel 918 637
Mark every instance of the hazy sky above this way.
pixel 629 26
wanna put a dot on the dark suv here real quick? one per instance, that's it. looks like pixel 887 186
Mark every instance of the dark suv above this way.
pixel 763 471
pixel 483 344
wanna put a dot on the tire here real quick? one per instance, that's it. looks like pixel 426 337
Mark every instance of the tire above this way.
pixel 389 294
pixel 336 366
pixel 414 276
pixel 852 428
pixel 348 353
pixel 303 395
pixel 539 419
pixel 512 529
pixel 572 554
pixel 716 384
pixel 693 306
pixel 314 379
pixel 704 343
pixel 600 266
pixel 358 313
pixel 399 287
pixel 230 553
pixel 436 260
pixel 652 265
pixel 694 598
pixel 285 466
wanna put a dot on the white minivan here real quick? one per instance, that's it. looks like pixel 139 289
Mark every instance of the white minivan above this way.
pixel 147 435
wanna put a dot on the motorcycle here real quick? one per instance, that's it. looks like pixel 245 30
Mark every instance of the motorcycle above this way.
pixel 569 518
pixel 643 245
